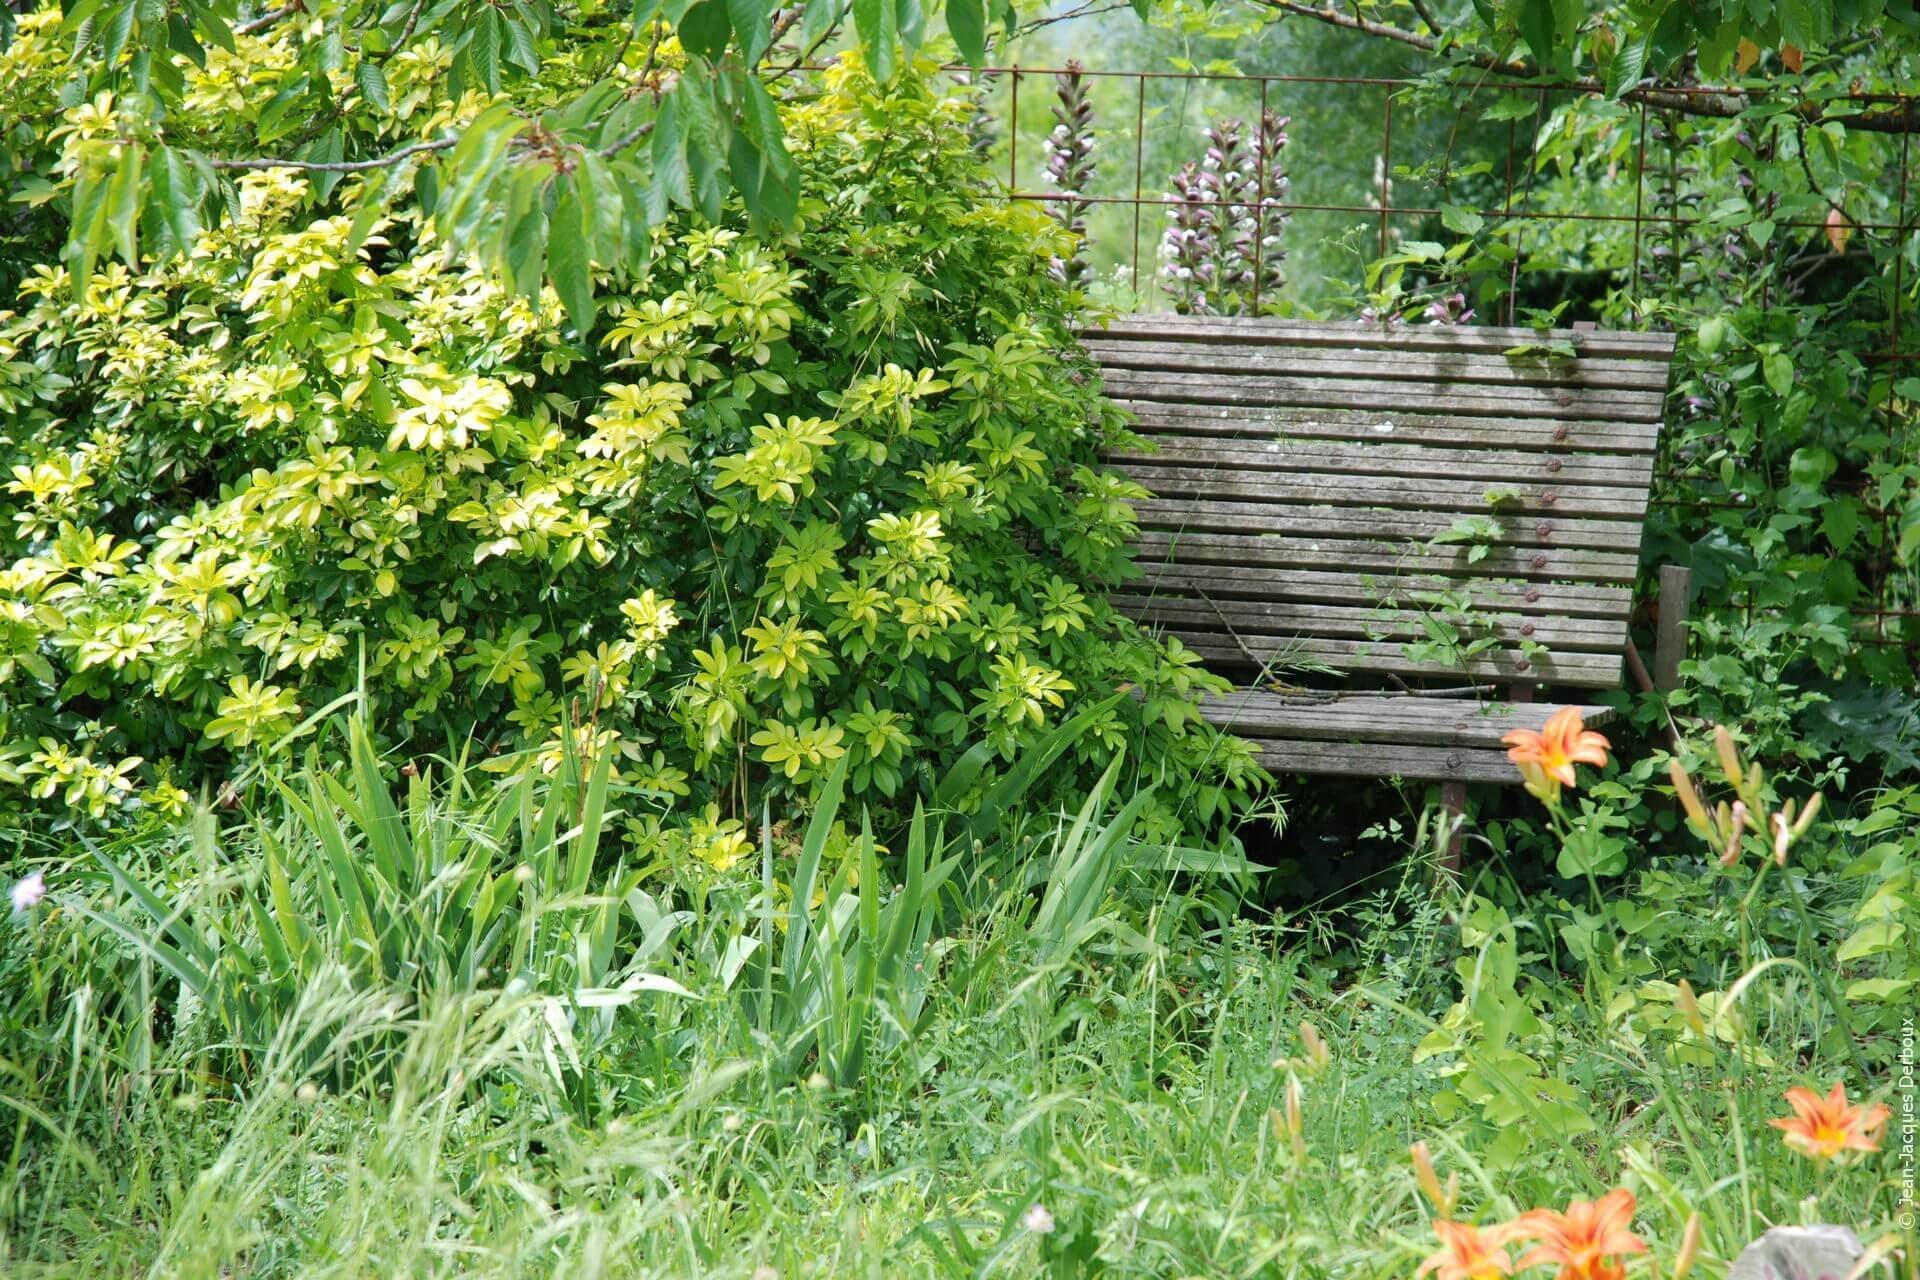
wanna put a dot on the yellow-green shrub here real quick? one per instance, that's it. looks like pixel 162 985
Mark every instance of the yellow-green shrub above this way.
pixel 822 492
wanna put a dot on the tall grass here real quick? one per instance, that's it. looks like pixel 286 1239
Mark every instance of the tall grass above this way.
pixel 352 1037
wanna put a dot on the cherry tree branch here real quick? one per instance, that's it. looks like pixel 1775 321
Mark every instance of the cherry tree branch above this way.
pixel 336 166
pixel 1722 104
pixel 267 19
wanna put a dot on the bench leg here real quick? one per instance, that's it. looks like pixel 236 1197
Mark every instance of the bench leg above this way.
pixel 1670 627
pixel 1453 798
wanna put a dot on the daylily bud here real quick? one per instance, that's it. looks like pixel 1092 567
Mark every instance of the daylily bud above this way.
pixel 1296 1121
pixel 1806 816
pixel 1729 758
pixel 1689 798
pixel 1782 837
pixel 1428 1180
pixel 1690 1009
pixel 1735 829
pixel 1689 1248
pixel 1541 785
pixel 1318 1056
pixel 1750 789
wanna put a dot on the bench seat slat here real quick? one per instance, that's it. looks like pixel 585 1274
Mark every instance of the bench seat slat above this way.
pixel 1224 552
pixel 1384 760
pixel 1246 583
pixel 1587 670
pixel 1314 333
pixel 1318 457
pixel 1382 737
pixel 1397 366
pixel 1376 394
pixel 1530 497
pixel 1282 620
pixel 1382 717
pixel 1154 418
pixel 1334 523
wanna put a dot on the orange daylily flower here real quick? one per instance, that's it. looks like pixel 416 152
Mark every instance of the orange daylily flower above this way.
pixel 1824 1127
pixel 1468 1253
pixel 1554 750
pixel 1586 1240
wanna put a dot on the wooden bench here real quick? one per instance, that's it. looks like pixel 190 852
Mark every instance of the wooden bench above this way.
pixel 1302 473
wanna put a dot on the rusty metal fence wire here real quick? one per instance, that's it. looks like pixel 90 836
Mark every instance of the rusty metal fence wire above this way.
pixel 1665 214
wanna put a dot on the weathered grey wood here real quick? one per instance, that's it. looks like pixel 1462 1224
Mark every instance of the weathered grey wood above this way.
pixel 1243 582
pixel 1493 431
pixel 1271 332
pixel 1453 800
pixel 1420 493
pixel 1299 653
pixel 1284 618
pixel 1670 634
pixel 1228 551
pixel 1301 471
pixel 1390 736
pixel 1348 522
pixel 1431 397
pixel 1319 457
pixel 1380 760
pixel 1454 722
pixel 1395 366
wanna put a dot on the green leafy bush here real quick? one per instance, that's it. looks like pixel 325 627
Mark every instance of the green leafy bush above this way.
pixel 829 492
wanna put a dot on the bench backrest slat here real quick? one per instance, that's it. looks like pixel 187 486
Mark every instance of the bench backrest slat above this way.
pixel 1302 473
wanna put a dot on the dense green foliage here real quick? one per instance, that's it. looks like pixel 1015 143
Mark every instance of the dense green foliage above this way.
pixel 1762 226
pixel 1008 1057
pixel 625 568
pixel 832 493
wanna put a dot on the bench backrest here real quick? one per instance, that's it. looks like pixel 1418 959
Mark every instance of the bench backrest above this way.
pixel 1302 472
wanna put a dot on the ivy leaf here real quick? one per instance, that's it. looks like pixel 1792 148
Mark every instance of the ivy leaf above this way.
pixel 1587 852
pixel 1778 368
pixel 1461 219
pixel 1871 939
pixel 1840 521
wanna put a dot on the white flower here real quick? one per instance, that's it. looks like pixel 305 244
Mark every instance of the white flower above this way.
pixel 28 892
pixel 1038 1220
